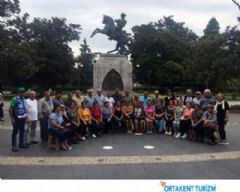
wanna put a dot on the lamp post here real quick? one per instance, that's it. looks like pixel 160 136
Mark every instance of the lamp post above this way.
pixel 136 73
pixel 79 65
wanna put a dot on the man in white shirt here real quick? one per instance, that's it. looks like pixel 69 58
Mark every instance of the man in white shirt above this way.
pixel 32 115
pixel 110 100
pixel 197 98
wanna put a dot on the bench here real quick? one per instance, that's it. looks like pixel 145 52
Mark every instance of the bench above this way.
pixel 53 142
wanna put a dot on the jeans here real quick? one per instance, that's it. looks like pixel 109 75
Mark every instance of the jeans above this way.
pixel 107 125
pixel 18 126
pixel 61 134
pixel 159 125
pixel 221 129
pixel 30 132
pixel 44 128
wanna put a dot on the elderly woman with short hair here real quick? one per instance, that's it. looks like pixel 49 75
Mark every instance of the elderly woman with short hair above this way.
pixel 56 128
pixel 222 110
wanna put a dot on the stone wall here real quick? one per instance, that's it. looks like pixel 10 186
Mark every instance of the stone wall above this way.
pixel 116 65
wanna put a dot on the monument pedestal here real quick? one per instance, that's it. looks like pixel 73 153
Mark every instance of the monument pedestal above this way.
pixel 112 71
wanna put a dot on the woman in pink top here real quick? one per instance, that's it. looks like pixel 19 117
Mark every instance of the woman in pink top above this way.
pixel 150 116
pixel 185 123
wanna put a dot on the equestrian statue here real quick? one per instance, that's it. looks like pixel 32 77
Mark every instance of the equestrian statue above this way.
pixel 114 30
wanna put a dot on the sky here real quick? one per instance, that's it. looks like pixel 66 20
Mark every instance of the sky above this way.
pixel 89 13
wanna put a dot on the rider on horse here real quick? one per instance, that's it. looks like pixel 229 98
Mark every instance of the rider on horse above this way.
pixel 115 32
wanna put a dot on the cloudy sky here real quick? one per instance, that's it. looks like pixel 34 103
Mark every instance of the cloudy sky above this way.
pixel 88 13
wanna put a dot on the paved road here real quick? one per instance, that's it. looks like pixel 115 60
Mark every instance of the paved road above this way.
pixel 169 159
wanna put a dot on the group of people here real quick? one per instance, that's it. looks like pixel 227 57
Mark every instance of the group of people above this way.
pixel 194 116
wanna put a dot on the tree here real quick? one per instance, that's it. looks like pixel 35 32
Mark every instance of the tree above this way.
pixel 8 8
pixel 85 65
pixel 15 59
pixel 212 27
pixel 54 58
pixel 36 51
pixel 157 44
pixel 211 63
pixel 176 77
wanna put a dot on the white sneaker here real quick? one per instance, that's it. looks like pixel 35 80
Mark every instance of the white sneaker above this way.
pixel 166 133
pixel 224 142
pixel 83 138
pixel 178 136
pixel 169 133
pixel 94 136
pixel 184 136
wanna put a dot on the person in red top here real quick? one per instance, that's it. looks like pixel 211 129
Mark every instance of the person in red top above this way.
pixel 97 123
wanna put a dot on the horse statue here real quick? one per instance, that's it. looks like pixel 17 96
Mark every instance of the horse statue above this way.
pixel 115 32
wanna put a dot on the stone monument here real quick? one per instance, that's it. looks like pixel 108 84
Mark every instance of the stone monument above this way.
pixel 113 71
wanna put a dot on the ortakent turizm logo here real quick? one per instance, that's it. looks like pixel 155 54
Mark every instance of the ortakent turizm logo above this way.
pixel 166 187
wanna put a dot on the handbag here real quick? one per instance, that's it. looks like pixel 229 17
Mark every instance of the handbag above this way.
pixel 211 125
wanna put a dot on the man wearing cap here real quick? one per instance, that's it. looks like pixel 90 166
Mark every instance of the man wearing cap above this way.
pixel 208 99
pixel 18 115
pixel 99 98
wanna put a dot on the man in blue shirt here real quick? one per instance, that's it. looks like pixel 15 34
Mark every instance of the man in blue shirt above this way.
pixel 144 98
pixel 18 115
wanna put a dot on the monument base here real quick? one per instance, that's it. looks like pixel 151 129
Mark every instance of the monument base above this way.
pixel 112 71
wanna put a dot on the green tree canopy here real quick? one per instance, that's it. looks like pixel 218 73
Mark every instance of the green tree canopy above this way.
pixel 212 28
pixel 157 44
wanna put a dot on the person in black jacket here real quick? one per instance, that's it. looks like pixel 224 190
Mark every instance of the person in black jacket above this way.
pixel 222 110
